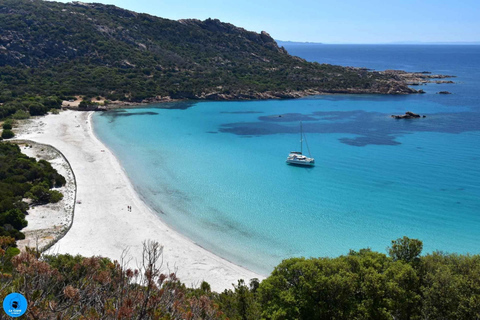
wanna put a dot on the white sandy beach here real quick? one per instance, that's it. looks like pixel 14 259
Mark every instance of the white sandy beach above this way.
pixel 103 226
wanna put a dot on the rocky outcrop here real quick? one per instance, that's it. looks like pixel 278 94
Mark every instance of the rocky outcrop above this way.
pixel 418 78
pixel 443 81
pixel 267 95
pixel 215 25
pixel 444 92
pixel 407 115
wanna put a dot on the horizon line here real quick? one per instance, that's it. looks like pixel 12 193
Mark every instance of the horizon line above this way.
pixel 388 43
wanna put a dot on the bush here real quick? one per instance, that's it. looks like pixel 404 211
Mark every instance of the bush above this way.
pixel 37 109
pixel 7 126
pixel 21 114
pixel 52 102
pixel 85 104
pixel 55 196
pixel 39 193
pixel 13 218
pixel 8 134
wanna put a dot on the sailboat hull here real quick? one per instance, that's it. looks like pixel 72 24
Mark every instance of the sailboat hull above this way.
pixel 302 163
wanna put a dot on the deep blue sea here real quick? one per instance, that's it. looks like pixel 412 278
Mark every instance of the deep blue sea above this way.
pixel 216 172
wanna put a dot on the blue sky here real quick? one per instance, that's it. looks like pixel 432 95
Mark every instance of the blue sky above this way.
pixel 340 21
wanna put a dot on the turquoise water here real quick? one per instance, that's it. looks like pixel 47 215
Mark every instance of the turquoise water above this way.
pixel 216 172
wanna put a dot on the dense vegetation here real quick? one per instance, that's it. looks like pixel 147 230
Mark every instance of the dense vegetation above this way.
pixel 359 285
pixel 57 49
pixel 25 106
pixel 22 178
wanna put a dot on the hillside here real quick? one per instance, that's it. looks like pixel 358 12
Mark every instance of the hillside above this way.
pixel 50 48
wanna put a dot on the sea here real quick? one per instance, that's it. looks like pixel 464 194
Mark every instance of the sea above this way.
pixel 216 171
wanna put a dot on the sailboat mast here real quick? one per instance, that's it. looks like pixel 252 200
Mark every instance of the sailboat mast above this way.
pixel 301 138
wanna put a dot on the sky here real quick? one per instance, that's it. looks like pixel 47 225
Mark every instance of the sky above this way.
pixel 333 21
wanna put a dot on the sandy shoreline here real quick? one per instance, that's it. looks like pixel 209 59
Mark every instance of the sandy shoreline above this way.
pixel 103 226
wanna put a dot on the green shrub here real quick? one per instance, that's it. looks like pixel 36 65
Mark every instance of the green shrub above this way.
pixel 8 134
pixel 37 109
pixel 7 126
pixel 13 218
pixel 55 196
pixel 87 104
pixel 52 102
pixel 39 193
pixel 21 114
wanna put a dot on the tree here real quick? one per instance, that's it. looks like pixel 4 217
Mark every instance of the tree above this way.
pixel 240 304
pixel 7 134
pixel 21 114
pixel 55 196
pixel 405 249
pixel 39 193
pixel 13 217
pixel 52 102
pixel 322 288
pixel 37 109
pixel 403 291
pixel 247 306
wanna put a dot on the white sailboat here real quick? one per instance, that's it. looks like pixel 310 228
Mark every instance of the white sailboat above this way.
pixel 297 157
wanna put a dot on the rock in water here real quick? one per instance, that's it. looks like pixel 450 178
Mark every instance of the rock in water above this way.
pixel 407 115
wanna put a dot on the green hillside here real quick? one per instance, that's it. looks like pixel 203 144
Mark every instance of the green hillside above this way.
pixel 56 49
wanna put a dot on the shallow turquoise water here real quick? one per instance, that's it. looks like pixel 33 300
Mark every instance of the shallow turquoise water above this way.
pixel 216 172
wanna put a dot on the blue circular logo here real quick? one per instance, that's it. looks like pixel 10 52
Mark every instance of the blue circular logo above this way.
pixel 15 305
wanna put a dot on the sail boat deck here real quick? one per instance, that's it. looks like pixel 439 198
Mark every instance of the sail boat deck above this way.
pixel 297 158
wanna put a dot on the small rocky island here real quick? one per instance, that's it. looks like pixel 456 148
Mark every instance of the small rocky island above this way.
pixel 408 115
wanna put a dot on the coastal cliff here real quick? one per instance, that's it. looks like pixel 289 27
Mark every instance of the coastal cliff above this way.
pixel 49 48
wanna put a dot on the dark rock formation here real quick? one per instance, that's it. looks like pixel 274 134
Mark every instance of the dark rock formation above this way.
pixel 407 115
pixel 443 81
pixel 444 92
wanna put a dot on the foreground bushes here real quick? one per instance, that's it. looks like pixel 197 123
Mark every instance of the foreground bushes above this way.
pixel 66 287
pixel 371 285
pixel 359 285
